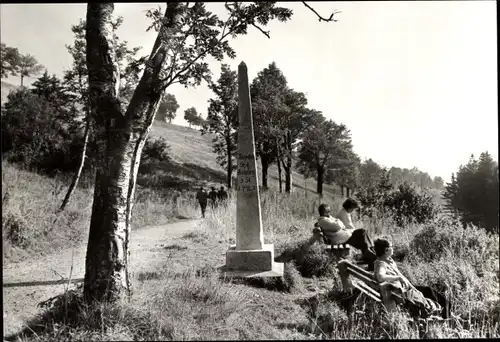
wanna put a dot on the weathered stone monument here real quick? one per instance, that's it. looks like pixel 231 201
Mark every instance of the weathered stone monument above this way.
pixel 250 257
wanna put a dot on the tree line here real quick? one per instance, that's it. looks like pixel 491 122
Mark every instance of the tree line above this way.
pixel 472 193
pixel 288 134
pixel 293 136
pixel 14 63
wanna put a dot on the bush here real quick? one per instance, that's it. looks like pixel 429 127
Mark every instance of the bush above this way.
pixel 16 230
pixel 38 134
pixel 407 204
pixel 155 150
pixel 447 234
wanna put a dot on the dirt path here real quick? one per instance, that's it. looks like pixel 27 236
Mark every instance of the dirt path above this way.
pixel 28 283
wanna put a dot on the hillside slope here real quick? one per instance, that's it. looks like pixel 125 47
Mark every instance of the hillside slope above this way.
pixel 193 160
pixel 193 152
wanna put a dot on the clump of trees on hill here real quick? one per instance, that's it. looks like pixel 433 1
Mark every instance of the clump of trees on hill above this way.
pixel 14 63
pixel 472 194
pixel 167 110
pixel 291 135
pixel 46 127
pixel 193 118
pixel 405 202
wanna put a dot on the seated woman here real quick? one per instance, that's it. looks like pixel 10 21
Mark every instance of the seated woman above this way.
pixel 386 270
pixel 340 230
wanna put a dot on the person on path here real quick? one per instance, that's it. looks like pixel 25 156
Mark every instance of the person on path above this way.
pixel 212 195
pixel 222 195
pixel 339 229
pixel 175 200
pixel 202 198
pixel 421 301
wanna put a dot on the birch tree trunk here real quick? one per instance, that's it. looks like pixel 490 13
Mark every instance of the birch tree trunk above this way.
pixel 288 166
pixel 120 138
pixel 278 162
pixel 76 176
pixel 229 162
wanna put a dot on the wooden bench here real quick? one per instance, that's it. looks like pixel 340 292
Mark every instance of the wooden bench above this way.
pixel 341 250
pixel 354 276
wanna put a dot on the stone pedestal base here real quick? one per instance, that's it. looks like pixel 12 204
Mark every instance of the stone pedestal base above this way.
pixel 252 263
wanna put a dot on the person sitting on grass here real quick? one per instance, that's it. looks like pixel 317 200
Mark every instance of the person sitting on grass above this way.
pixel 334 231
pixel 386 270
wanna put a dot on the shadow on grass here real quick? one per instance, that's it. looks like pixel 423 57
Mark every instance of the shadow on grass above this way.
pixel 175 247
pixel 68 317
pixel 39 283
pixel 170 174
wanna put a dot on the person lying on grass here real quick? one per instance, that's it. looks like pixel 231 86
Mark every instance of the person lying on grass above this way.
pixel 339 229
pixel 386 270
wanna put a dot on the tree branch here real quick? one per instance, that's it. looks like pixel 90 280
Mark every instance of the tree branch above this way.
pixel 320 18
pixel 266 33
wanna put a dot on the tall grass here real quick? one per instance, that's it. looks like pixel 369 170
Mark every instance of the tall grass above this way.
pixel 31 224
pixel 187 300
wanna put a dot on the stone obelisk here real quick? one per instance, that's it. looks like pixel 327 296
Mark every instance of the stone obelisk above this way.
pixel 250 257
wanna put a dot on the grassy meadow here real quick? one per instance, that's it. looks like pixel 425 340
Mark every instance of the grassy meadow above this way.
pixel 197 304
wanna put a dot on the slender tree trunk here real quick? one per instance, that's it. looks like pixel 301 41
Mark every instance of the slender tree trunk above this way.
pixel 120 138
pixel 278 161
pixel 279 178
pixel 229 162
pixel 319 185
pixel 22 78
pixel 288 167
pixel 265 166
pixel 76 176
pixel 342 190
pixel 347 191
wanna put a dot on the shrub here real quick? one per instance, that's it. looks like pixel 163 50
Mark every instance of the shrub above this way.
pixel 16 230
pixel 39 134
pixel 405 204
pixel 408 204
pixel 155 150
pixel 447 235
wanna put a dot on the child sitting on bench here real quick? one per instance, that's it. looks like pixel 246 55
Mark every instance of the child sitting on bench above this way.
pixel 418 304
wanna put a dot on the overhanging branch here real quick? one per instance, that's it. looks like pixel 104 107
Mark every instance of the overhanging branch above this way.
pixel 266 33
pixel 320 18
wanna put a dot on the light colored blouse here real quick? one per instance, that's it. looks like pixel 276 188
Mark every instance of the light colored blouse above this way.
pixel 346 219
pixel 334 229
pixel 390 268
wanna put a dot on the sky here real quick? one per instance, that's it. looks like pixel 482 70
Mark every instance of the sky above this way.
pixel 415 82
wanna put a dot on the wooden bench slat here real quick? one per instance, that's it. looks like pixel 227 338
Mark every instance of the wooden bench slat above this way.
pixel 363 277
pixel 368 291
pixel 362 271
pixel 366 283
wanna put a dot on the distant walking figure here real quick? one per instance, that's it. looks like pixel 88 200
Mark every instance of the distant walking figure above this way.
pixel 213 197
pixel 202 198
pixel 222 195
